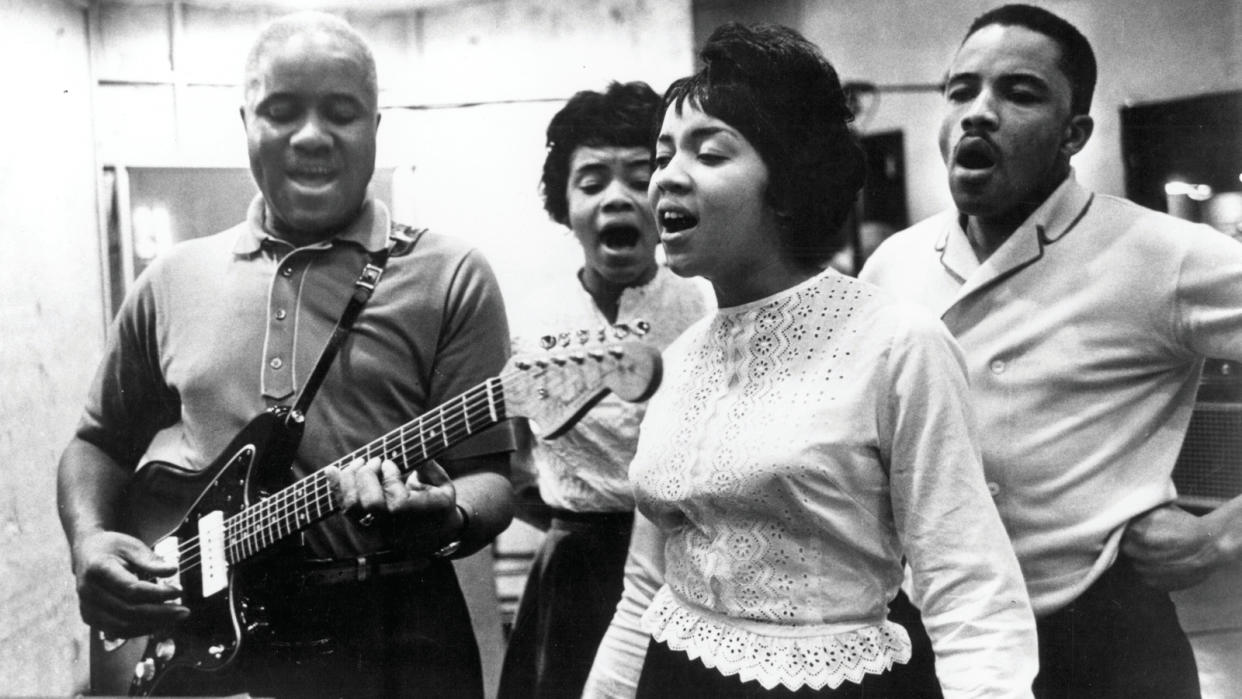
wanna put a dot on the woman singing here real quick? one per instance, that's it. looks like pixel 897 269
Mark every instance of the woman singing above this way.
pixel 809 437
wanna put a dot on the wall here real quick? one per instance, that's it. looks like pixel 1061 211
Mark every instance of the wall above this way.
pixel 1146 50
pixel 51 325
pixel 466 91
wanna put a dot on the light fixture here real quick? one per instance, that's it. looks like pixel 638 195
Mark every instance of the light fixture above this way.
pixel 1197 192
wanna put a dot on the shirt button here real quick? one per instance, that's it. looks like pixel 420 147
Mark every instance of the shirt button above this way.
pixel 286 271
pixel 276 363
pixel 280 314
pixel 994 488
pixel 998 366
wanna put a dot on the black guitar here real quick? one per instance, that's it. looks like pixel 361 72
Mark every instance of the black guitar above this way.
pixel 217 523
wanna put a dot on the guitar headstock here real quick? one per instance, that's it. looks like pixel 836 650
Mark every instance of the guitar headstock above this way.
pixel 554 388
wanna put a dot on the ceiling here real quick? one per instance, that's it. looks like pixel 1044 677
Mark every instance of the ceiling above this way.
pixel 346 5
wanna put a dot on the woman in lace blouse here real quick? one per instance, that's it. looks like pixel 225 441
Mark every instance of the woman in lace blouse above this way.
pixel 808 435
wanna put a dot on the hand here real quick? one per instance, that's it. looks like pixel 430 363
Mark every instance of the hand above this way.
pixel 420 507
pixel 116 588
pixel 1172 549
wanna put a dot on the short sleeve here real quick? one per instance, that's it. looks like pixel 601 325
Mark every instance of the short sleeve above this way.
pixel 129 401
pixel 474 345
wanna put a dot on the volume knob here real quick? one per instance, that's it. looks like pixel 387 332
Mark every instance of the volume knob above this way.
pixel 165 649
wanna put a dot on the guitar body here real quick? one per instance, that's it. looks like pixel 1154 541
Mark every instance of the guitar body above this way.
pixel 166 501
pixel 232 517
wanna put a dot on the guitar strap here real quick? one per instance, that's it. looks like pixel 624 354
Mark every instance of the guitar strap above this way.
pixel 400 236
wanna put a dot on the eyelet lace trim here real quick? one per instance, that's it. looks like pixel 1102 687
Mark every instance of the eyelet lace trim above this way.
pixel 811 659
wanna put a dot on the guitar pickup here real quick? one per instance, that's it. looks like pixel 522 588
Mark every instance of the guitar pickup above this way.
pixel 215 567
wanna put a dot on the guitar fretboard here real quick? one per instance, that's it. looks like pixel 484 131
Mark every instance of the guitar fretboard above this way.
pixel 311 499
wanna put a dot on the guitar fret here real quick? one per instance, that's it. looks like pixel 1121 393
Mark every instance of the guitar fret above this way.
pixel 491 401
pixel 465 411
pixel 422 439
pixel 443 430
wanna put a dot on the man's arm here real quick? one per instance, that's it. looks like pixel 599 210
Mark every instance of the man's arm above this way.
pixel 1169 547
pixel 1172 549
pixel 485 494
pixel 114 571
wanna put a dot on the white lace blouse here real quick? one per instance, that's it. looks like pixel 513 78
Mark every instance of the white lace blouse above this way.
pixel 799 447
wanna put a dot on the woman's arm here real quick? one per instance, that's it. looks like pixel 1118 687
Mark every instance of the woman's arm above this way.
pixel 619 660
pixel 966 578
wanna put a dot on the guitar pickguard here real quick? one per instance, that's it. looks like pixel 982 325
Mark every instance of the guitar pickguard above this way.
pixel 221 609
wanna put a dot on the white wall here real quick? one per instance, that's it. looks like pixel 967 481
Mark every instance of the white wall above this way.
pixel 1146 49
pixel 476 167
pixel 51 330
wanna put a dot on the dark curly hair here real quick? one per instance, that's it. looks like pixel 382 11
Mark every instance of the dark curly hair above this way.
pixel 621 116
pixel 779 91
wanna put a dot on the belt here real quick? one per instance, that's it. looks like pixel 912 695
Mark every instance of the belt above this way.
pixel 331 571
pixel 592 521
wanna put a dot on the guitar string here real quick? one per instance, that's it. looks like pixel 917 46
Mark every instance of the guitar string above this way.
pixel 450 433
pixel 451 430
pixel 240 530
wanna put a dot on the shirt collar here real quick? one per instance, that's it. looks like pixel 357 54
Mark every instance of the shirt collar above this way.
pixel 1054 218
pixel 369 230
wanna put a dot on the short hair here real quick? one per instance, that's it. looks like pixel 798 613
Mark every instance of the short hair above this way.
pixel 287 26
pixel 1077 59
pixel 621 116
pixel 777 89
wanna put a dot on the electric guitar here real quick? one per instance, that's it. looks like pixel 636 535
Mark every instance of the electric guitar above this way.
pixel 217 523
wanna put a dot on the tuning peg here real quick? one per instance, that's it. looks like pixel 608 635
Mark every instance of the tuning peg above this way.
pixel 641 328
pixel 547 342
pixel 596 355
pixel 578 358
pixel 584 336
pixel 144 670
pixel 620 330
pixel 563 339
pixel 522 365
pixel 602 335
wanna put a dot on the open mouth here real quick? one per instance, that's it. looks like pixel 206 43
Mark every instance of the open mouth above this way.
pixel 311 175
pixel 620 236
pixel 677 221
pixel 974 155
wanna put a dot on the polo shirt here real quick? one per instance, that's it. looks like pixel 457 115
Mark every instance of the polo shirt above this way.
pixel 1084 335
pixel 221 328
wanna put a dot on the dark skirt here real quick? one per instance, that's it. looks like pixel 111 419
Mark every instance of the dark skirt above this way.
pixel 570 597
pixel 668 673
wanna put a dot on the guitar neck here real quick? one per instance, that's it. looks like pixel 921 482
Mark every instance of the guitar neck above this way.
pixel 312 498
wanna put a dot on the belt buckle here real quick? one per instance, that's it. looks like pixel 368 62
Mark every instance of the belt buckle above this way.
pixel 362 569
